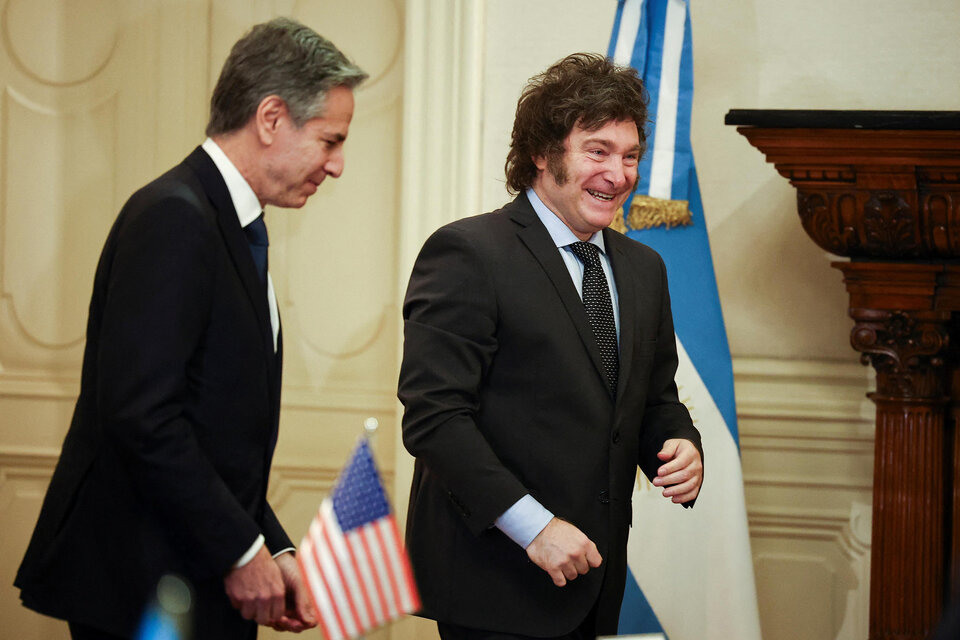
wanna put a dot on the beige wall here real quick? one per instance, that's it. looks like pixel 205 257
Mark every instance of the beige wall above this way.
pixel 97 96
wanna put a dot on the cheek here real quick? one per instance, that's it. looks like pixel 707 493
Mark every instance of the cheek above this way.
pixel 310 161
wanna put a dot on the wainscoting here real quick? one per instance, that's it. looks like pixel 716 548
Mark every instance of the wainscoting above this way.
pixel 806 441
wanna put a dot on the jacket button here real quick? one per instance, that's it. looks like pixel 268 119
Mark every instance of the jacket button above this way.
pixel 616 437
pixel 604 497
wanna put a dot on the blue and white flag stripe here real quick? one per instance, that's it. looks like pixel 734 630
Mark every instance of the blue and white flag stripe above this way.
pixel 692 568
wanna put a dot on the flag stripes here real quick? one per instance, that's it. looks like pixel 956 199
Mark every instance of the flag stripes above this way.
pixel 362 555
pixel 628 30
pixel 359 578
pixel 409 599
pixel 661 168
pixel 372 545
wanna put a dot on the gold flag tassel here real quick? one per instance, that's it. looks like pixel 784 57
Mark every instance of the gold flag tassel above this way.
pixel 647 212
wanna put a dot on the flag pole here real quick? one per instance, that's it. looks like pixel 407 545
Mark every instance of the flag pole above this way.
pixel 370 426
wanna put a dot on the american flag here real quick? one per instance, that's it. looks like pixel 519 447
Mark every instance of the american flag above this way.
pixel 352 557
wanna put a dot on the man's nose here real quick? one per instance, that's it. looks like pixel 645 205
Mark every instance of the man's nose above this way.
pixel 617 171
pixel 334 164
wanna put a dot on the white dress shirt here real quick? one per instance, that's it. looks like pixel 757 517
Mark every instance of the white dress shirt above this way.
pixel 248 209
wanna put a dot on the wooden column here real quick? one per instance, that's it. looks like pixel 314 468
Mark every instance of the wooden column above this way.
pixel 905 340
pixel 883 188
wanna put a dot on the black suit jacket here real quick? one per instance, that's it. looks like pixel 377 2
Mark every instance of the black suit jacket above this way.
pixel 165 465
pixel 504 395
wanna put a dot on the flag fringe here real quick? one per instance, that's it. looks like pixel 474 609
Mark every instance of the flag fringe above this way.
pixel 618 224
pixel 647 212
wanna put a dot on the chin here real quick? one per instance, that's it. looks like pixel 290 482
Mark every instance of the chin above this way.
pixel 298 200
pixel 603 221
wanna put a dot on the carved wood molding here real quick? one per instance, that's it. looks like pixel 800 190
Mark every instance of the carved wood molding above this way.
pixel 884 223
pixel 900 328
pixel 906 349
pixel 869 193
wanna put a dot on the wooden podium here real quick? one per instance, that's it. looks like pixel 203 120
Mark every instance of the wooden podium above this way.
pixel 883 189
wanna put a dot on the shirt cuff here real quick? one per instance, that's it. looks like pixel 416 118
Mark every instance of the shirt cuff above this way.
pixel 252 551
pixel 283 551
pixel 524 521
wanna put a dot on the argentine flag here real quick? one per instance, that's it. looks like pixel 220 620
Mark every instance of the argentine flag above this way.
pixel 691 573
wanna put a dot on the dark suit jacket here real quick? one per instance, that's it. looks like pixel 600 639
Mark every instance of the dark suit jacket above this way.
pixel 165 465
pixel 504 395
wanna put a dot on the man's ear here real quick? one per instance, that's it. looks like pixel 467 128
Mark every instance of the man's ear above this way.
pixel 269 117
pixel 540 162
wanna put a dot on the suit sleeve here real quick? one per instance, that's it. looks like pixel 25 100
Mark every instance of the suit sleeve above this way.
pixel 450 342
pixel 276 537
pixel 157 301
pixel 665 417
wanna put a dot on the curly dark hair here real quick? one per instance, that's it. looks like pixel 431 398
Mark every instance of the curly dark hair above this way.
pixel 584 89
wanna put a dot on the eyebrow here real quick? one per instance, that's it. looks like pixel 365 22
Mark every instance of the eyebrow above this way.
pixel 606 143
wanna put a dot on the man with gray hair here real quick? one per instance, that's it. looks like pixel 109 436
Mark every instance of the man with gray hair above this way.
pixel 164 468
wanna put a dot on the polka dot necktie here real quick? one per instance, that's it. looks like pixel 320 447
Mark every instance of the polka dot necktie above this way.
pixel 596 300
pixel 257 237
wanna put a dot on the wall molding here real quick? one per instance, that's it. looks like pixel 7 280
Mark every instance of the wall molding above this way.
pixel 53 386
pixel 799 395
pixel 43 385
pixel 807 447
pixel 850 529
pixel 442 142
pixel 442 121
pixel 32 462
pixel 354 400
pixel 35 462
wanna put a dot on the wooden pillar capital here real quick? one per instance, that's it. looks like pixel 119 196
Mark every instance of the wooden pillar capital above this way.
pixel 907 351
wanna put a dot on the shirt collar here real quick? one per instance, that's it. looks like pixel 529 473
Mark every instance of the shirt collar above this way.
pixel 558 230
pixel 245 201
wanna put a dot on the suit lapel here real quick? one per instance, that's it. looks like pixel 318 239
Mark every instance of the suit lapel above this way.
pixel 627 294
pixel 234 239
pixel 537 239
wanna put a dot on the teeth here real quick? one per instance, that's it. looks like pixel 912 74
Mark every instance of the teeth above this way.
pixel 601 196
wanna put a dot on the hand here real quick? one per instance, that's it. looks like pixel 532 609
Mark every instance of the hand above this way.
pixel 256 589
pixel 563 551
pixel 682 474
pixel 299 613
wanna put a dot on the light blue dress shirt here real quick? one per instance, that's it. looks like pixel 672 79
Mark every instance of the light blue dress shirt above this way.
pixel 526 518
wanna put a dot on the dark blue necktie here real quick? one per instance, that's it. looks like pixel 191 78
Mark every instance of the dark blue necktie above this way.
pixel 596 300
pixel 257 237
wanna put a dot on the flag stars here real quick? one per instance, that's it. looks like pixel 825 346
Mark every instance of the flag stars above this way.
pixel 358 497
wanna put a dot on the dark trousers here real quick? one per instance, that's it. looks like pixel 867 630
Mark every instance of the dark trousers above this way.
pixel 83 632
pixel 586 630
pixel 248 631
